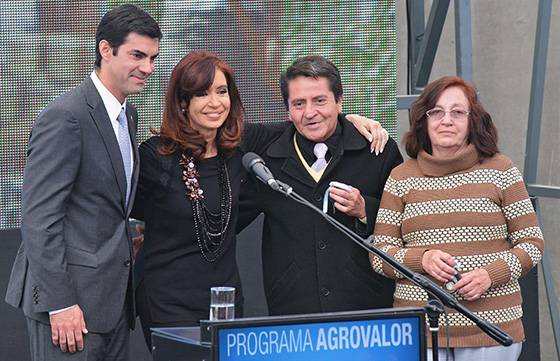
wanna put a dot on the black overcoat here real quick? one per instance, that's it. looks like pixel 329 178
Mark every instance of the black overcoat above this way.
pixel 309 266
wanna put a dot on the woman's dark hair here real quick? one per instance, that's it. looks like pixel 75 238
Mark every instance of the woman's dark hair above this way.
pixel 194 74
pixel 482 132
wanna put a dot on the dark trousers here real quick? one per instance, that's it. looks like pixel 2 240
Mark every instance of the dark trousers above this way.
pixel 110 346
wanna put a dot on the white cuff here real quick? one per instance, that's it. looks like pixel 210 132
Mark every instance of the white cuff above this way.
pixel 61 310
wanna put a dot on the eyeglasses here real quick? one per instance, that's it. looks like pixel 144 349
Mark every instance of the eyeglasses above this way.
pixel 456 114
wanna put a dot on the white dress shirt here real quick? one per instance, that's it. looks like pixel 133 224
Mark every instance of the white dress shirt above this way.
pixel 112 106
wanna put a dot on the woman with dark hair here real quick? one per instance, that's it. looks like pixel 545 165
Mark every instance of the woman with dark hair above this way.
pixel 459 206
pixel 188 193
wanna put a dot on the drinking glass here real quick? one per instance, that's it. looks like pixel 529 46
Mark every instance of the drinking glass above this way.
pixel 222 303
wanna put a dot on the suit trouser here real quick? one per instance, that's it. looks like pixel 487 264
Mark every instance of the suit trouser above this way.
pixel 111 346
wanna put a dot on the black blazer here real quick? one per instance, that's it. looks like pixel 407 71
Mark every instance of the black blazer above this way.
pixel 308 266
pixel 175 275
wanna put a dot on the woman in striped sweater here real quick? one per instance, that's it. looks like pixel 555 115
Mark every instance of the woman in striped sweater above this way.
pixel 459 201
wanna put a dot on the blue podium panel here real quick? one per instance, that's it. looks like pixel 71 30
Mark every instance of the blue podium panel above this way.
pixel 389 334
pixel 359 340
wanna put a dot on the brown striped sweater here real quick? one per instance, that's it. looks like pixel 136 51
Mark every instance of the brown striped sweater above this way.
pixel 480 213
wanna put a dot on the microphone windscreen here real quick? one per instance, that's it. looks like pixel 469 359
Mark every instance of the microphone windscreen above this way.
pixel 249 159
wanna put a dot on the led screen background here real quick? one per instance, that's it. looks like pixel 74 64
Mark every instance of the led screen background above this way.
pixel 47 47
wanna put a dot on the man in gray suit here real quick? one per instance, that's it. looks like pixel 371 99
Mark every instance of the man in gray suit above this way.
pixel 72 274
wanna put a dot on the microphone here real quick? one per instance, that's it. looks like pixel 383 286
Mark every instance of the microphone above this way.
pixel 255 165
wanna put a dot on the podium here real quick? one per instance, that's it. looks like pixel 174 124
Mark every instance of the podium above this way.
pixel 386 334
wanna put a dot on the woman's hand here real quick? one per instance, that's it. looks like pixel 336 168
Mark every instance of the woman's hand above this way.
pixel 439 265
pixel 371 130
pixel 473 284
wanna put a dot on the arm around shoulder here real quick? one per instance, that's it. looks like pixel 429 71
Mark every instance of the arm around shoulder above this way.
pixel 258 135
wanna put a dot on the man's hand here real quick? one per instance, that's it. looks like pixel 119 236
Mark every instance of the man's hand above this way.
pixel 371 130
pixel 350 202
pixel 138 241
pixel 439 265
pixel 473 284
pixel 67 329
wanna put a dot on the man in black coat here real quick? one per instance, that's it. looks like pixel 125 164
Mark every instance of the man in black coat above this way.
pixel 309 266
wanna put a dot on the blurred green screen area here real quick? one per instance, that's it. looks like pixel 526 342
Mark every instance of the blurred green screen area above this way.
pixel 48 47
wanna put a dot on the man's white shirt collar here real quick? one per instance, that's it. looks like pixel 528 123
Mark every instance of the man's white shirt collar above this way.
pixel 112 105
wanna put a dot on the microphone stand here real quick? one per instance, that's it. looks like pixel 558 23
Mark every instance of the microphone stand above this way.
pixel 434 309
pixel 418 279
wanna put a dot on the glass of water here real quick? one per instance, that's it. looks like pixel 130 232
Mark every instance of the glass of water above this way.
pixel 222 303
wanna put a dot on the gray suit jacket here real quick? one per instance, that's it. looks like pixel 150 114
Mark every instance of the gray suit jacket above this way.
pixel 76 246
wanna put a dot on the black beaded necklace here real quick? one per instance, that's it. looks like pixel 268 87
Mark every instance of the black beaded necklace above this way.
pixel 210 228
